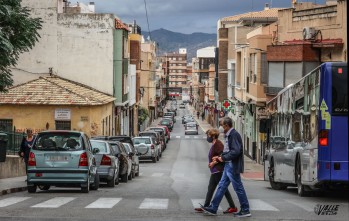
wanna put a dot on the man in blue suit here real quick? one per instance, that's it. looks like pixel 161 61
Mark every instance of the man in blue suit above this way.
pixel 233 158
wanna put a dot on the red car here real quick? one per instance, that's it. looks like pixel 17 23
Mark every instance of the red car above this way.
pixel 167 132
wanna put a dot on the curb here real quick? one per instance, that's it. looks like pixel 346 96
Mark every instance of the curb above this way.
pixel 13 190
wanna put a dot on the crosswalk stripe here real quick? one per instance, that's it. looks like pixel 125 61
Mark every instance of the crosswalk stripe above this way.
pixel 12 200
pixel 151 203
pixel 307 206
pixel 55 202
pixel 178 136
pixel 186 137
pixel 195 137
pixel 157 174
pixel 104 203
pixel 203 137
pixel 257 204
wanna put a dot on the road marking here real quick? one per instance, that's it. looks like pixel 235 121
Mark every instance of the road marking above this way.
pixel 186 137
pixel 304 205
pixel 178 175
pixel 55 202
pixel 157 174
pixel 257 204
pixel 203 137
pixel 12 200
pixel 196 203
pixel 152 203
pixel 104 203
pixel 178 136
pixel 195 137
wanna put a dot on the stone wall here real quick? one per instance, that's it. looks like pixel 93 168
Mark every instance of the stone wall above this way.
pixel 13 167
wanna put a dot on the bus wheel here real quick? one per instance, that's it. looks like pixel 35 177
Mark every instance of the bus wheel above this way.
pixel 275 185
pixel 300 187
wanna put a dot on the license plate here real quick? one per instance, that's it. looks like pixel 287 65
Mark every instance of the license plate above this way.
pixel 56 158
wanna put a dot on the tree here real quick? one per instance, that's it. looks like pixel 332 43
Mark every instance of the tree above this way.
pixel 18 34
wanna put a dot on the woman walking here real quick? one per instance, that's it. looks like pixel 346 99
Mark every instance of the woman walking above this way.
pixel 216 171
pixel 26 145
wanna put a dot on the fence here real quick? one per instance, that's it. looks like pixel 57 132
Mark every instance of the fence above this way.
pixel 13 142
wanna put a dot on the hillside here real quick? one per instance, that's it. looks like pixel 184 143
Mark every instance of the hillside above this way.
pixel 169 41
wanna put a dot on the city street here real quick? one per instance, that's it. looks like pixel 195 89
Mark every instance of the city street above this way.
pixel 166 190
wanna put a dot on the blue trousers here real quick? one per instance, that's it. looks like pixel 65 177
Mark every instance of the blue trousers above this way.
pixel 227 178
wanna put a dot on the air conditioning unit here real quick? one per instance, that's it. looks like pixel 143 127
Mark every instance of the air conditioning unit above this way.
pixel 308 33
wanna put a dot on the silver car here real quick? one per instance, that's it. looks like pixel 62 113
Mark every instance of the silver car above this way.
pixel 191 128
pixel 147 147
pixel 107 162
pixel 134 155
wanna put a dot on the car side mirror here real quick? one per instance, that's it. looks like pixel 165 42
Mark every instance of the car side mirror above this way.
pixel 95 151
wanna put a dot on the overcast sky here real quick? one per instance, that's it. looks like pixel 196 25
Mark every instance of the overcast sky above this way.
pixel 184 16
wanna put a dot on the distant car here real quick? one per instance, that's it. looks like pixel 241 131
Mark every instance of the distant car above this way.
pixel 188 119
pixel 134 155
pixel 62 158
pixel 182 106
pixel 146 146
pixel 163 135
pixel 125 161
pixel 191 128
pixel 167 122
pixel 167 133
pixel 170 114
pixel 107 161
pixel 156 136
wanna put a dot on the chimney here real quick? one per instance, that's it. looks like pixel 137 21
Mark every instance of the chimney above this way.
pixel 266 7
pixel 91 7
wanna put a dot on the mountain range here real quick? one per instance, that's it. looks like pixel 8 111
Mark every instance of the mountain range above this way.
pixel 169 41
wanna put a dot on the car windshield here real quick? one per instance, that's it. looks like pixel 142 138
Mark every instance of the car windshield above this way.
pixel 165 122
pixel 191 125
pixel 115 147
pixel 127 147
pixel 157 130
pixel 102 146
pixel 58 141
pixel 141 140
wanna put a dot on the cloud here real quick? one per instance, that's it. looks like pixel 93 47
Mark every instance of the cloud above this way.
pixel 185 16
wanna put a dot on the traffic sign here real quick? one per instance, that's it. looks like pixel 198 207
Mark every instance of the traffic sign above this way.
pixel 226 104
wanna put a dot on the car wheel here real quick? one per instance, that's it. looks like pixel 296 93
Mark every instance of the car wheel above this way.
pixel 154 159
pixel 111 183
pixel 157 158
pixel 130 176
pixel 44 187
pixel 95 184
pixel 275 185
pixel 86 189
pixel 301 189
pixel 32 189
pixel 137 173
pixel 117 177
pixel 124 178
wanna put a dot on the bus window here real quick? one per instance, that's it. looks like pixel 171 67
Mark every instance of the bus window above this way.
pixel 339 90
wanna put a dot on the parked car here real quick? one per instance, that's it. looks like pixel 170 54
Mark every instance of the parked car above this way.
pixel 187 119
pixel 182 106
pixel 146 146
pixel 134 155
pixel 191 128
pixel 107 161
pixel 62 158
pixel 162 132
pixel 171 115
pixel 125 161
pixel 158 141
pixel 167 122
pixel 167 133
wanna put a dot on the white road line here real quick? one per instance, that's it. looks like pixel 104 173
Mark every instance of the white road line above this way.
pixel 195 137
pixel 151 203
pixel 104 203
pixel 55 202
pixel 307 206
pixel 12 200
pixel 157 174
pixel 186 137
pixel 203 137
pixel 178 175
pixel 257 204
pixel 178 136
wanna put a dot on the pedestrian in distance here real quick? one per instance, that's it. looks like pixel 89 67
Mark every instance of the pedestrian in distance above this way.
pixel 26 145
pixel 216 169
pixel 233 159
pixel 198 114
pixel 202 116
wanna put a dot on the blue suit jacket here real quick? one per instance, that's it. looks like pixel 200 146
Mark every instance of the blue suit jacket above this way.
pixel 235 154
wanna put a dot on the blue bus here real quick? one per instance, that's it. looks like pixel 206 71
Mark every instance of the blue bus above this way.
pixel 307 143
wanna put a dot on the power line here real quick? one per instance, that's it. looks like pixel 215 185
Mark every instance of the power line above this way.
pixel 146 13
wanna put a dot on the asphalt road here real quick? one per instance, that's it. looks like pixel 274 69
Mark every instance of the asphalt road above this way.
pixel 166 190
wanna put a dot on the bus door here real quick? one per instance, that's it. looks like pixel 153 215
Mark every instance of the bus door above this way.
pixel 333 139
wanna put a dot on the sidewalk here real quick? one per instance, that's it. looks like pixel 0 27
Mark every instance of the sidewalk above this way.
pixel 252 170
pixel 12 185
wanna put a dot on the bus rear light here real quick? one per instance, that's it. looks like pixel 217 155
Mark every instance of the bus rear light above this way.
pixel 323 138
pixel 340 70
pixel 31 160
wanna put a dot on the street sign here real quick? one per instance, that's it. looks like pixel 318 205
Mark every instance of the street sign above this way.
pixel 226 104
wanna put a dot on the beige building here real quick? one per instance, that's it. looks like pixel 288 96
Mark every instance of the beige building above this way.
pixel 55 103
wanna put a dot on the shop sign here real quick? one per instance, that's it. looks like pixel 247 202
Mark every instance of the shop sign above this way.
pixel 62 114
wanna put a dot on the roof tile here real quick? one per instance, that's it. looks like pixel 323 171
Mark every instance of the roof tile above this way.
pixel 269 13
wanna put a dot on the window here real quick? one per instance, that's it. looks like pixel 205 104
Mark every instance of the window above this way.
pixel 63 125
pixel 6 124
pixel 339 90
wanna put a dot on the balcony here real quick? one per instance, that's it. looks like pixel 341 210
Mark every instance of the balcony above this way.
pixel 272 90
